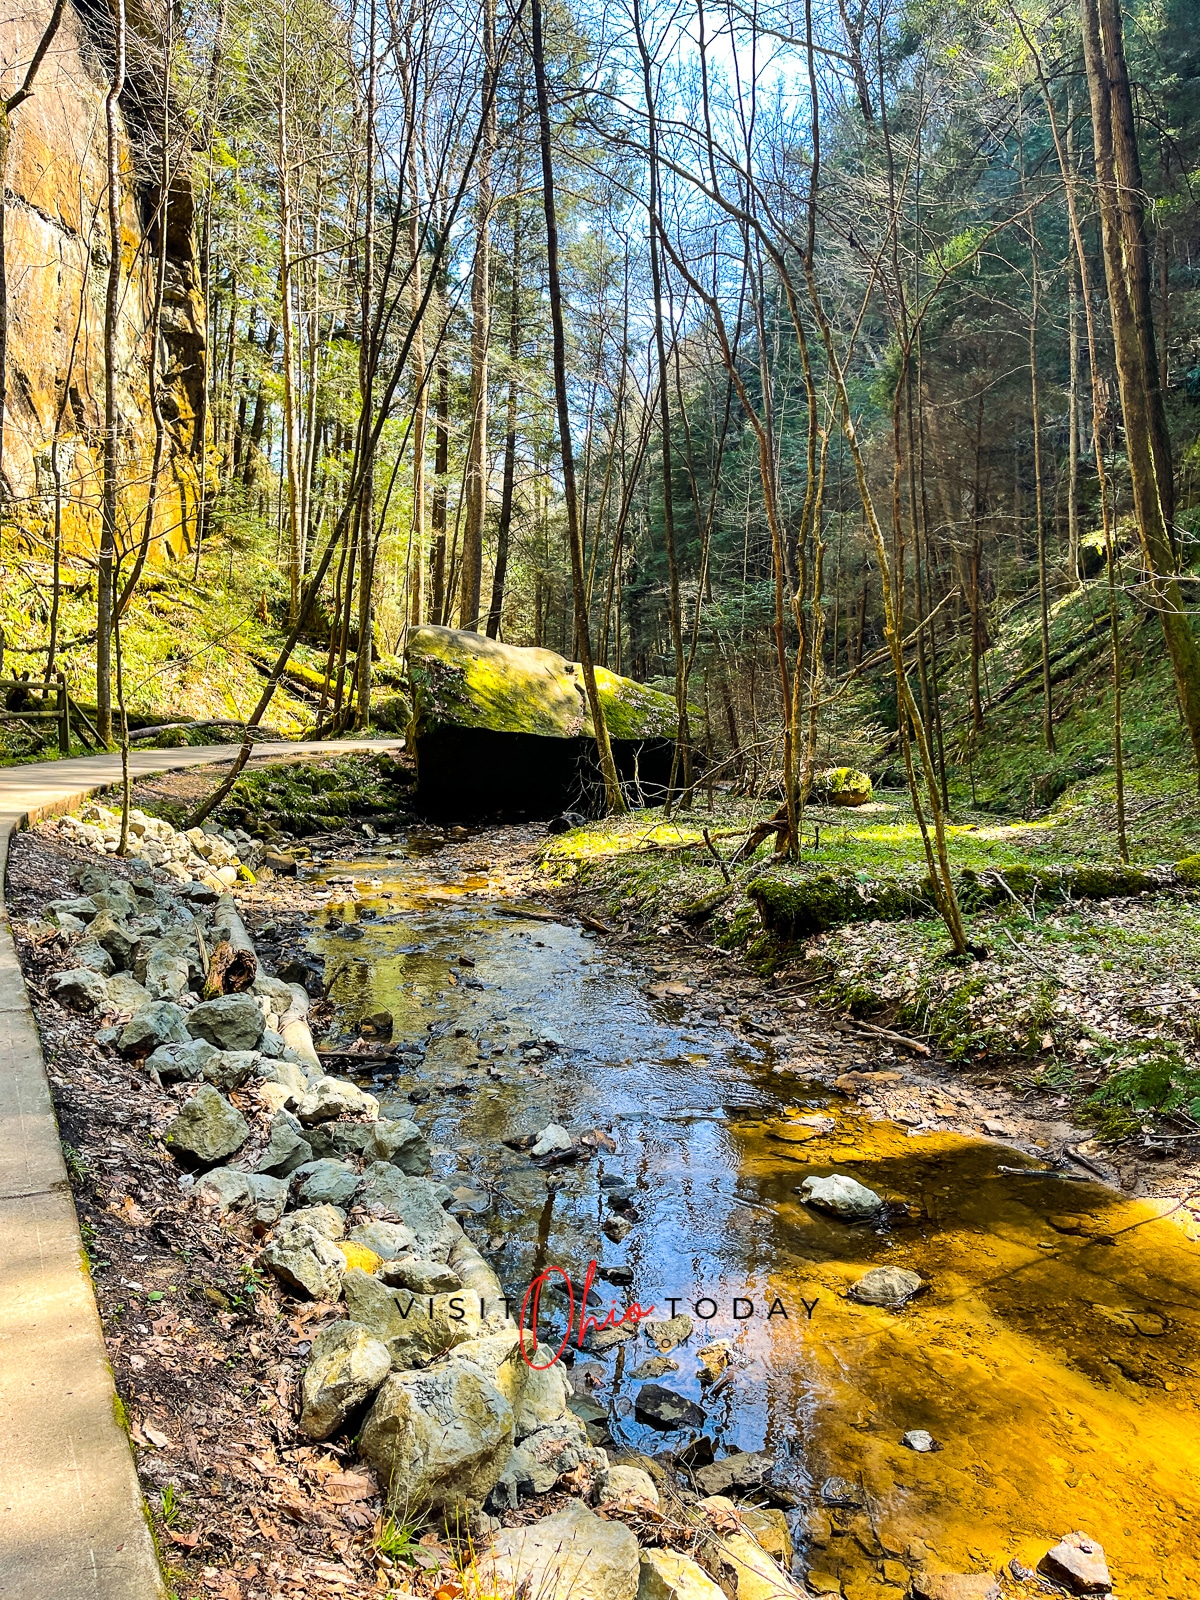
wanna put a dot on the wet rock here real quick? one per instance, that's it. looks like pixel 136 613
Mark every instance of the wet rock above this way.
pixel 207 1130
pixel 770 1527
pixel 346 1366
pixel 305 1260
pixel 616 1228
pixel 468 1202
pixel 842 1493
pixel 263 1199
pixel 417 1329
pixel 419 1277
pixel 602 1339
pixel 287 1147
pixel 743 1470
pixel 665 1336
pixel 550 1140
pixel 627 1489
pixel 667 1409
pixel 231 1022
pixel 330 1098
pixel 116 937
pixel 401 1143
pixel 1078 1562
pixel 388 1239
pixel 326 1183
pixel 80 987
pixel 841 1196
pixel 376 1025
pixel 591 1412
pixel 451 1054
pixel 157 1024
pixel 184 1062
pixel 955 1586
pixel 88 953
pixel 439 1438
pixel 919 1440
pixel 573 1555
pixel 655 1367
pixel 621 1276
pixel 886 1286
pixel 713 1359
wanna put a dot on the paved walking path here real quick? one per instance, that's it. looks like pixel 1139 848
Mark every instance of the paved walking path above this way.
pixel 72 1525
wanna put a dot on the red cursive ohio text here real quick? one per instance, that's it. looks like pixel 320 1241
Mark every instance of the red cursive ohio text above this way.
pixel 633 1313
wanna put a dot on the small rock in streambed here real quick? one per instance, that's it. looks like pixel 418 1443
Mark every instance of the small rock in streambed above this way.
pixel 665 1336
pixel 842 1197
pixel 667 1409
pixel 919 1440
pixel 842 1493
pixel 616 1228
pixel 552 1139
pixel 744 1470
pixel 955 1586
pixel 655 1367
pixel 1078 1563
pixel 892 1287
pixel 622 1277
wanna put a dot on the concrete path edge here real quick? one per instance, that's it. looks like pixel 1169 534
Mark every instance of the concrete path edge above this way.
pixel 73 1522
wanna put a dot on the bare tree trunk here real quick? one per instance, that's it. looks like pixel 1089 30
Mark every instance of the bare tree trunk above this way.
pixel 439 607
pixel 1126 265
pixel 110 464
pixel 507 491
pixel 612 785
pixel 475 496
pixel 366 381
pixel 1038 491
pixel 290 429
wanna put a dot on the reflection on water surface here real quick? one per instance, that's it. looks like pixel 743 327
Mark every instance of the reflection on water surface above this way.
pixel 1055 1354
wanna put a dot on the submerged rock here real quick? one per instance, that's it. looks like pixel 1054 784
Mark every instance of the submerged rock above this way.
pixel 666 1408
pixel 1078 1562
pixel 841 1196
pixel 955 1586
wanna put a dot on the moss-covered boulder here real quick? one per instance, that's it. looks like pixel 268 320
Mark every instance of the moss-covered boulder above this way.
pixel 842 786
pixel 797 908
pixel 466 680
pixel 1187 871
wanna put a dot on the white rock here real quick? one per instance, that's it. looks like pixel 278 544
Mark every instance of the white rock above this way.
pixel 841 1196
pixel 552 1137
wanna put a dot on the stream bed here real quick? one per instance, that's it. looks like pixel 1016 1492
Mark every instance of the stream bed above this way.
pixel 1053 1354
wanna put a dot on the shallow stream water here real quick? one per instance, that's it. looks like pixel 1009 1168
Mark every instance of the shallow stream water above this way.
pixel 1054 1354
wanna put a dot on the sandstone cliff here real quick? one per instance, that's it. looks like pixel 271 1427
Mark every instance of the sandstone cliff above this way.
pixel 57 258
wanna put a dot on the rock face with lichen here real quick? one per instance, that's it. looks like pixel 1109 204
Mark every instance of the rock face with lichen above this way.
pixel 57 257
pixel 522 715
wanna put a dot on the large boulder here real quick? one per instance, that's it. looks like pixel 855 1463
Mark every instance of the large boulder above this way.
pixel 126 995
pixel 304 1259
pixel 346 1366
pixel 416 1328
pixel 166 969
pixel 207 1130
pixel 231 1022
pixel 573 1555
pixel 439 1438
pixel 157 1024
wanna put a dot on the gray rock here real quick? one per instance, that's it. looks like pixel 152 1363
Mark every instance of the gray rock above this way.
pixel 329 1098
pixel 116 898
pixel 1078 1562
pixel 272 1044
pixel 417 1329
pixel 666 1408
pixel 207 1130
pixel 336 1140
pixel 287 1147
pixel 230 1069
pixel 623 1486
pixel 346 1366
pixel 231 1022
pixel 66 924
pixel 262 1198
pixel 114 936
pixel 166 970
pixel 420 1277
pixel 79 987
pixel 886 1286
pixel 402 1144
pixel 288 1073
pixel 616 1228
pixel 157 1024
pixel 88 953
pixel 82 907
pixel 305 1260
pixel 439 1438
pixel 573 1555
pixel 386 1191
pixel 387 1239
pixel 841 1196
pixel 666 1336
pixel 552 1138
pixel 743 1471
pixel 326 1183
pixel 126 994
pixel 542 1458
pixel 181 1061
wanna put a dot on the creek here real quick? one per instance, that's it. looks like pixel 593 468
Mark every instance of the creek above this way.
pixel 1054 1353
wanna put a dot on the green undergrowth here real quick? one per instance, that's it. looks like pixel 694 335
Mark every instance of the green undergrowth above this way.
pixel 307 798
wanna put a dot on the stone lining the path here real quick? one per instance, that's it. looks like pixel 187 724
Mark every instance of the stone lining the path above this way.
pixel 72 1522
